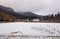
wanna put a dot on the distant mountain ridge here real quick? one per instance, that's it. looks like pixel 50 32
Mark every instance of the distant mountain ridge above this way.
pixel 31 15
pixel 23 15
pixel 6 9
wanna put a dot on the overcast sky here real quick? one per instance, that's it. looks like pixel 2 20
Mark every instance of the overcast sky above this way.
pixel 41 7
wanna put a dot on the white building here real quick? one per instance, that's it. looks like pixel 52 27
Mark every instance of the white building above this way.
pixel 35 20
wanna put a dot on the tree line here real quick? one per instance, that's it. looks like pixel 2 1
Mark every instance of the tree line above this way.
pixel 52 17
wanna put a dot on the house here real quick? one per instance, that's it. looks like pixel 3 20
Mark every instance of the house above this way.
pixel 35 20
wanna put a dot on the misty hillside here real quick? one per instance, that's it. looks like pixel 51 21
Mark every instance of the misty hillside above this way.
pixel 31 15
pixel 23 15
pixel 6 9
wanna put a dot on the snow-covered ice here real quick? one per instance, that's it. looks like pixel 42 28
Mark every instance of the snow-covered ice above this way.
pixel 31 28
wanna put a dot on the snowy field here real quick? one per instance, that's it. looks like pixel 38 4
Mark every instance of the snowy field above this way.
pixel 29 30
pixel 34 29
pixel 29 37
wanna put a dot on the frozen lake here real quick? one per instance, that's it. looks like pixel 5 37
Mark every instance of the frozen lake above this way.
pixel 35 29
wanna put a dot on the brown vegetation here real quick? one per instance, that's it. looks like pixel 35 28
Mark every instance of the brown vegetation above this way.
pixel 6 17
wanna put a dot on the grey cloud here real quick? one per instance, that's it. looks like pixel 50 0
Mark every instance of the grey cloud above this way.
pixel 33 5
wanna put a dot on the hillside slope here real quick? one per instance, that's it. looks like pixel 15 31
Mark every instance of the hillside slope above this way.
pixel 6 17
